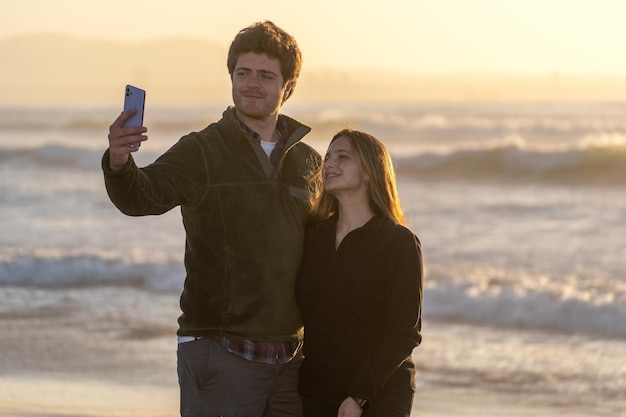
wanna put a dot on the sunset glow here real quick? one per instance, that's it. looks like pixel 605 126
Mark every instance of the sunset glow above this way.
pixel 510 36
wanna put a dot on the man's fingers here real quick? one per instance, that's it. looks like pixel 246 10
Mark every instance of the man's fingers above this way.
pixel 126 134
pixel 130 141
pixel 125 140
pixel 122 140
pixel 122 118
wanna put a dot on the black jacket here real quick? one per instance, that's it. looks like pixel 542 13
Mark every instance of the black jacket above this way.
pixel 244 221
pixel 361 307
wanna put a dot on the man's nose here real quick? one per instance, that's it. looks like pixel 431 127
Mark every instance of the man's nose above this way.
pixel 254 79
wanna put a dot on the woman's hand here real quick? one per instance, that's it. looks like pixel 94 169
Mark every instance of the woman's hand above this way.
pixel 349 408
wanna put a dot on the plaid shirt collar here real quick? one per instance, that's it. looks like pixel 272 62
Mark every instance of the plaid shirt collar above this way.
pixel 283 134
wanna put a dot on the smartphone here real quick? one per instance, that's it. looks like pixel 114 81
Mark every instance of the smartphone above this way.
pixel 134 98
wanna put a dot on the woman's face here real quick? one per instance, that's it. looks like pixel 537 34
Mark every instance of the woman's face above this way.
pixel 342 171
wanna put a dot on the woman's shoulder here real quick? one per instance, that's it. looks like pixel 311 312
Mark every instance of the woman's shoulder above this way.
pixel 403 233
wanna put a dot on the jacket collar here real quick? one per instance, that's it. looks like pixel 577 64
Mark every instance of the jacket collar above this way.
pixel 295 130
pixel 374 224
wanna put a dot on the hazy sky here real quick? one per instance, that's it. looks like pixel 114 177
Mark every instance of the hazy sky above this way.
pixel 523 36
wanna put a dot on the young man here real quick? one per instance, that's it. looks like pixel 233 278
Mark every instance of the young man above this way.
pixel 242 185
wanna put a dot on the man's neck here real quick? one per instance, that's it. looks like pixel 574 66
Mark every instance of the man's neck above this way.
pixel 265 127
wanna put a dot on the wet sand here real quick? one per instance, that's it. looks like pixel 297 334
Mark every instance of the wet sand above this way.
pixel 68 359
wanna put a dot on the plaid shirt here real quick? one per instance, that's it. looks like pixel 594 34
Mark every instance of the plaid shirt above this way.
pixel 272 353
pixel 281 126
pixel 265 352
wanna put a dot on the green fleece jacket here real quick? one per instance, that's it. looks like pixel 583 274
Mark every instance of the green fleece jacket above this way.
pixel 244 221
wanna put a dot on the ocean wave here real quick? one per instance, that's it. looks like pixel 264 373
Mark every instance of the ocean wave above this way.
pixel 480 295
pixel 95 118
pixel 489 296
pixel 47 156
pixel 90 270
pixel 593 164
pixel 586 164
pixel 427 121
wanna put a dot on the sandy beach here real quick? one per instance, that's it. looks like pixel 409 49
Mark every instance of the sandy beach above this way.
pixel 92 399
pixel 82 359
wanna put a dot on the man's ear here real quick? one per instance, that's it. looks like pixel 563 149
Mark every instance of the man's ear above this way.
pixel 288 89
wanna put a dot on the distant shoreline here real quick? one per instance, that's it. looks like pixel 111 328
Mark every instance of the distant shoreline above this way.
pixel 333 85
pixel 64 69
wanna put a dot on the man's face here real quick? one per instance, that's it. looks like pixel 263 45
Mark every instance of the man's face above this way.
pixel 258 85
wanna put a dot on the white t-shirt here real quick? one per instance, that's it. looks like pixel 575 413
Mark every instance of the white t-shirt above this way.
pixel 268 147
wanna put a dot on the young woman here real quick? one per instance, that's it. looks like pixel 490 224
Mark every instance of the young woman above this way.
pixel 359 288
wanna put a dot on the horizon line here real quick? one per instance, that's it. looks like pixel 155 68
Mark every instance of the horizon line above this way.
pixel 318 67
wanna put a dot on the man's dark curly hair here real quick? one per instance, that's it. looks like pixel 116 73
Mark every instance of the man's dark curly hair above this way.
pixel 267 38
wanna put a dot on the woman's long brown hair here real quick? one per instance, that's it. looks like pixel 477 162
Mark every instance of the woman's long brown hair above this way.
pixel 376 162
